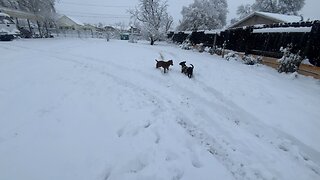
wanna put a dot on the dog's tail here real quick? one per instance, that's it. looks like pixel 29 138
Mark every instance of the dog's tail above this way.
pixel 192 66
pixel 157 60
pixel 161 56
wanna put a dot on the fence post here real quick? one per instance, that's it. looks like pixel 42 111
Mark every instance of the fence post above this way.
pixel 223 48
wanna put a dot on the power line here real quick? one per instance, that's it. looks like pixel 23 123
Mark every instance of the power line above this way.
pixel 104 17
pixel 99 16
pixel 94 5
pixel 94 14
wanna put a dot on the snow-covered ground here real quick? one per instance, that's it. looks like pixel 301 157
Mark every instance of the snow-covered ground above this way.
pixel 86 109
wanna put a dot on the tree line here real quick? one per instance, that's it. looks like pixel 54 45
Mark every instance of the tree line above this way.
pixel 152 17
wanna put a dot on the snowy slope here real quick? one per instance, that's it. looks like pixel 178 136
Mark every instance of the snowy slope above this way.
pixel 97 110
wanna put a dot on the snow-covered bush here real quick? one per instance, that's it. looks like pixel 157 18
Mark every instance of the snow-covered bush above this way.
pixel 215 50
pixel 289 62
pixel 232 56
pixel 211 50
pixel 250 60
pixel 218 51
pixel 186 45
pixel 207 49
pixel 200 47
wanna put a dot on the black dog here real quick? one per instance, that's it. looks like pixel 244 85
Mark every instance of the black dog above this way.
pixel 186 70
pixel 190 71
pixel 184 67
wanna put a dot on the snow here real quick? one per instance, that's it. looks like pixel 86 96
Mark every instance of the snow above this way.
pixel 281 17
pixel 90 109
pixel 4 14
pixel 283 29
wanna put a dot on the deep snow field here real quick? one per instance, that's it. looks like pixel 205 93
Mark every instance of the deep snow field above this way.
pixel 87 109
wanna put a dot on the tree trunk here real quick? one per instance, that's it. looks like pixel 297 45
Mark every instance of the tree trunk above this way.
pixel 151 41
pixel 39 29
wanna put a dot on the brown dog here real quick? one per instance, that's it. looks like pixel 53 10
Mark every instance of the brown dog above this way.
pixel 164 64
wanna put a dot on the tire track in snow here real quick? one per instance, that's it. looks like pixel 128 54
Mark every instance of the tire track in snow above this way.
pixel 249 123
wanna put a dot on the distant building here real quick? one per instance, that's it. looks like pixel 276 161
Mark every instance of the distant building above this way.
pixel 66 22
pixel 257 18
pixel 110 29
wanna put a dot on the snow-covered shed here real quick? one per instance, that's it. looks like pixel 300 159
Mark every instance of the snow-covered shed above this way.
pixel 257 18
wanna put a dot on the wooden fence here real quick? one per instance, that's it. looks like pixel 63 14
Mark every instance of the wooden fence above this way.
pixel 262 40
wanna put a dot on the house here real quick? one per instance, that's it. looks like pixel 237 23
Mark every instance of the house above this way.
pixel 258 18
pixel 66 22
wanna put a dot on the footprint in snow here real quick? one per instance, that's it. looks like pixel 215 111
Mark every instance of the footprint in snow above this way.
pixel 178 174
pixel 120 132
pixel 135 166
pixel 171 156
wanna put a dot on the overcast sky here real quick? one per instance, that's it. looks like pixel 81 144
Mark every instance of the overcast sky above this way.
pixel 113 11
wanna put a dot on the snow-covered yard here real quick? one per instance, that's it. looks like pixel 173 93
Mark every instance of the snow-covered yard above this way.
pixel 87 109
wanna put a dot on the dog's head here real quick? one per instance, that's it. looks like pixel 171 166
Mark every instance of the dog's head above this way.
pixel 170 62
pixel 158 64
pixel 183 63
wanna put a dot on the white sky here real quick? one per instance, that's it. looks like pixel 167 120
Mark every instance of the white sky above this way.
pixel 113 11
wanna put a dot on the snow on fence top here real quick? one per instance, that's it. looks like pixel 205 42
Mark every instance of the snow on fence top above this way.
pixel 283 29
pixel 218 31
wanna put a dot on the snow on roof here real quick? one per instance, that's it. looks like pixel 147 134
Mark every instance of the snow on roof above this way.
pixel 59 16
pixel 76 21
pixel 280 17
pixel 19 13
pixel 4 14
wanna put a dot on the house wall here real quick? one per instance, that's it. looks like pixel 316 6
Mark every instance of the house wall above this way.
pixel 254 20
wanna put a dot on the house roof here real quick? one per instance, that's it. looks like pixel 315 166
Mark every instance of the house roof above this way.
pixel 76 21
pixel 4 14
pixel 281 18
pixel 20 14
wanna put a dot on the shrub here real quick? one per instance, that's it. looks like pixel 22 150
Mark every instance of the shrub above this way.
pixel 186 45
pixel 289 62
pixel 250 60
pixel 232 56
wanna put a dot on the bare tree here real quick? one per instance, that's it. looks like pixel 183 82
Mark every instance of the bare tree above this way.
pixel 152 18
